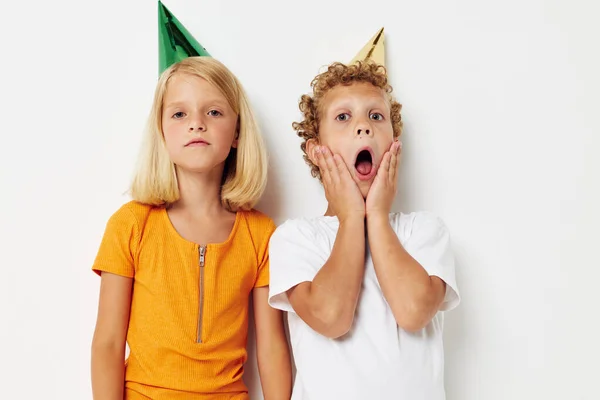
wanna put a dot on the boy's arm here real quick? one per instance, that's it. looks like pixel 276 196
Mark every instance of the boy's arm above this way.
pixel 328 303
pixel 413 295
pixel 108 345
pixel 273 355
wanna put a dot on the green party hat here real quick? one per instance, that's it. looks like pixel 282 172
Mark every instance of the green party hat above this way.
pixel 174 41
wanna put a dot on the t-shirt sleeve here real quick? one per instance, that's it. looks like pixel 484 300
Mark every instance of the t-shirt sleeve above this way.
pixel 429 243
pixel 119 245
pixel 295 258
pixel 262 276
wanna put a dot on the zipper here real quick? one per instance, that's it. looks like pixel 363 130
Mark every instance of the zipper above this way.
pixel 202 253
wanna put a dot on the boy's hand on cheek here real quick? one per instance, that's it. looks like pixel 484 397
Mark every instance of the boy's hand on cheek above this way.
pixel 341 191
pixel 383 190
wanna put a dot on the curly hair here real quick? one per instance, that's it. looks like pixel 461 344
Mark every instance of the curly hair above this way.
pixel 341 74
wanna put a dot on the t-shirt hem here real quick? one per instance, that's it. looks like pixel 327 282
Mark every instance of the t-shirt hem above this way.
pixel 98 269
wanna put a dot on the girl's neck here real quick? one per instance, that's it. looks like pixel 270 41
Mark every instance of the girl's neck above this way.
pixel 199 193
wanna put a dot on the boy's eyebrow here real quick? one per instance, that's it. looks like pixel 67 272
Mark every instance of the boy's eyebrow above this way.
pixel 347 103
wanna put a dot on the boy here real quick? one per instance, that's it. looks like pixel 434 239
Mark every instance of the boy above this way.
pixel 362 286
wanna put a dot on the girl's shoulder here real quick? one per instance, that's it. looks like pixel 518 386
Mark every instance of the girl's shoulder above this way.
pixel 133 213
pixel 258 223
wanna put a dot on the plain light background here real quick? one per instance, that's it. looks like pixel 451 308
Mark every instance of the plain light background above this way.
pixel 501 137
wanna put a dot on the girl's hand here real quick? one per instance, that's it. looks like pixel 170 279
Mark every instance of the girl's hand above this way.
pixel 342 193
pixel 383 190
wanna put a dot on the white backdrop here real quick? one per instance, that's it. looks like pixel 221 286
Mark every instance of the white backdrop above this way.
pixel 500 107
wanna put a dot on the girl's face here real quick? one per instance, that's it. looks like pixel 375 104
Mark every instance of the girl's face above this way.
pixel 198 125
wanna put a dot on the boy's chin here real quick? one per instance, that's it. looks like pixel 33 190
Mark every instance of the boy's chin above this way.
pixel 364 187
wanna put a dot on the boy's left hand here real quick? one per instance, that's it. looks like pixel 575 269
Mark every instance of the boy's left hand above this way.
pixel 383 190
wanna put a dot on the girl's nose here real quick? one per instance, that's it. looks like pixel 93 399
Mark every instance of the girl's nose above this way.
pixel 197 125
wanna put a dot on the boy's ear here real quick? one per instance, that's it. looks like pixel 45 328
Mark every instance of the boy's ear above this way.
pixel 310 150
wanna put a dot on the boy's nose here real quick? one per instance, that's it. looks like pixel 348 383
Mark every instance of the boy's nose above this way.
pixel 363 128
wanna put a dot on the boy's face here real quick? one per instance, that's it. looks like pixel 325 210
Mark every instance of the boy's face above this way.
pixel 355 123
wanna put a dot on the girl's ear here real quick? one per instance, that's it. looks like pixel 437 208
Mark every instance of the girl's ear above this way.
pixel 237 135
pixel 311 145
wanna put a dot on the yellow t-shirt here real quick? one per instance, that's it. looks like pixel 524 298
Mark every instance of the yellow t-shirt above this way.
pixel 189 309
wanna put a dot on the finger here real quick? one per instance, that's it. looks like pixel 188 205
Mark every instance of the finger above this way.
pixel 325 177
pixel 394 162
pixel 341 167
pixel 398 158
pixel 330 165
pixel 392 146
pixel 385 165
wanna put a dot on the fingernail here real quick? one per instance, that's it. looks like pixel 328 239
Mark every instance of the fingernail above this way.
pixel 399 144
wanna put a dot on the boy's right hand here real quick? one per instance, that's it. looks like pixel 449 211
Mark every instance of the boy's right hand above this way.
pixel 342 193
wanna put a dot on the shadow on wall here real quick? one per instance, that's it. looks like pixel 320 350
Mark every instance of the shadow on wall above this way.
pixel 455 337
pixel 270 204
pixel 271 201
pixel 404 199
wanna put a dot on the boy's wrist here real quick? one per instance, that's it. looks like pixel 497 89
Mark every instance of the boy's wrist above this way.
pixel 353 220
pixel 377 219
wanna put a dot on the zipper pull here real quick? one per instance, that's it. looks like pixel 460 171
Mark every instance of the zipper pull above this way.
pixel 202 252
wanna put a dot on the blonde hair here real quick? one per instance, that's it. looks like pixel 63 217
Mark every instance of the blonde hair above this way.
pixel 245 172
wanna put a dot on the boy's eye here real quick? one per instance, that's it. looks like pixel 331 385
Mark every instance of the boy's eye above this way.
pixel 214 113
pixel 179 114
pixel 377 116
pixel 343 117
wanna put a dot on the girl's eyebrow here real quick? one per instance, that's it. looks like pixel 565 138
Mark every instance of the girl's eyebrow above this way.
pixel 174 104
pixel 213 102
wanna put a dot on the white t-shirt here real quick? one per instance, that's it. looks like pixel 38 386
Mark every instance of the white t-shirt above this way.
pixel 376 359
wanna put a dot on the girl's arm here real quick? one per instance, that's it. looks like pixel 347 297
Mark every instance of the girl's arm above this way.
pixel 272 349
pixel 108 345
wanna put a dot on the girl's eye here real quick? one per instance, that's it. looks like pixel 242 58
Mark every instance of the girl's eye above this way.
pixel 343 117
pixel 376 116
pixel 179 114
pixel 214 113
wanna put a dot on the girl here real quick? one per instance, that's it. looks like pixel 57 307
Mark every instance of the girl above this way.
pixel 179 262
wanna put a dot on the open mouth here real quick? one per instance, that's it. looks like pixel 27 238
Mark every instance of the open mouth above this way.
pixel 364 164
